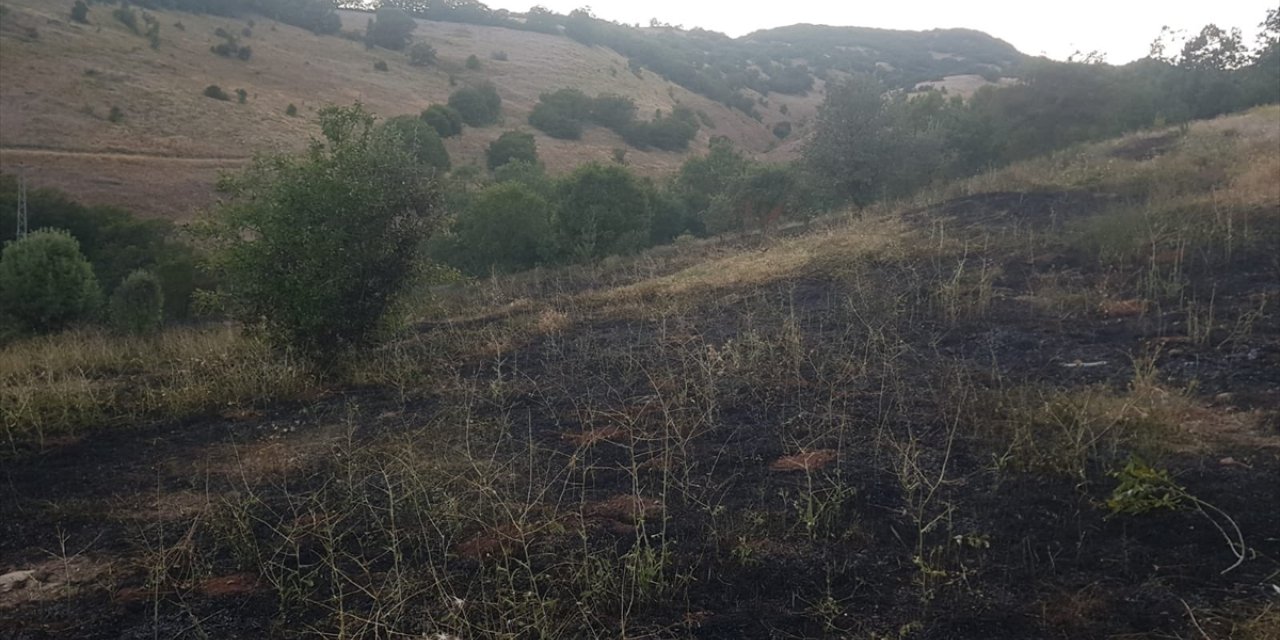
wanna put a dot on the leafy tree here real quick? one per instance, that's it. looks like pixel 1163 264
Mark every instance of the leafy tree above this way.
pixel 511 146
pixel 315 249
pixel 80 12
pixel 603 210
pixel 420 140
pixel 1214 49
pixel 444 119
pixel 506 228
pixel 853 142
pixel 478 106
pixel 472 63
pixel 137 305
pixel 45 282
pixel 390 28
pixel 422 54
pixel 757 199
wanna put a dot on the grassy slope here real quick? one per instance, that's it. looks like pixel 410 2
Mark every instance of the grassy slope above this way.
pixel 896 424
pixel 59 88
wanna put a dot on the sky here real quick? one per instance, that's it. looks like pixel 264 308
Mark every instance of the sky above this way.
pixel 1123 29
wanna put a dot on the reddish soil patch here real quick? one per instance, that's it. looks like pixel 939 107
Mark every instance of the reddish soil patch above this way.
pixel 503 539
pixel 804 461
pixel 592 437
pixel 1123 308
pixel 233 585
pixel 625 508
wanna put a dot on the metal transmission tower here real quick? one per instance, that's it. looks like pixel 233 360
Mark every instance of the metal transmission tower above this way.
pixel 22 205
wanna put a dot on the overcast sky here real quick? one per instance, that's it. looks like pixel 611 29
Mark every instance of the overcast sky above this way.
pixel 1123 29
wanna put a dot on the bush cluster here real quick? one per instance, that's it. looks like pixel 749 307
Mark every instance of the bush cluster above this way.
pixel 444 119
pixel 511 146
pixel 564 113
pixel 477 106
pixel 420 140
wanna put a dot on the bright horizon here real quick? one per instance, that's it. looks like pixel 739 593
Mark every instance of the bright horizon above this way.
pixel 1122 29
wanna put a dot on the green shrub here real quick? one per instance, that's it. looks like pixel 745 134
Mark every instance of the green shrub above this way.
pixel 557 124
pixel 315 250
pixel 380 65
pixel 115 115
pixel 45 282
pixel 613 111
pixel 500 56
pixel 473 63
pixel 216 92
pixel 422 55
pixel 507 227
pixel 114 241
pixel 511 146
pixel 444 119
pixel 80 12
pixel 478 106
pixel 603 210
pixel 782 130
pixel 420 140
pixel 137 305
pixel 390 29
pixel 242 96
pixel 291 110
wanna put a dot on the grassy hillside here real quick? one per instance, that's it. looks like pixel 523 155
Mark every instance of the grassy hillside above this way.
pixel 164 153
pixel 1041 402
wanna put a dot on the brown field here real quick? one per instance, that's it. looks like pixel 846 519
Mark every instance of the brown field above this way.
pixel 164 156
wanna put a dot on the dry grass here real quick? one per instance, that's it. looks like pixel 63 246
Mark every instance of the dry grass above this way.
pixel 55 386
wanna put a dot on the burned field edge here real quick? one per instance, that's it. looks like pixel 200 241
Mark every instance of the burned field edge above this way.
pixel 913 438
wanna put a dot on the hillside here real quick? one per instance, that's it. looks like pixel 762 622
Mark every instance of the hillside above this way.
pixel 61 81
pixel 1041 402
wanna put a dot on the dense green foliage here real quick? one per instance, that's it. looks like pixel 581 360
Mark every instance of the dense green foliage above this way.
pixel 45 282
pixel 446 120
pixel 511 146
pixel 507 227
pixel 316 249
pixel 114 241
pixel 420 140
pixel 216 92
pixel 478 106
pixel 603 210
pixel 137 305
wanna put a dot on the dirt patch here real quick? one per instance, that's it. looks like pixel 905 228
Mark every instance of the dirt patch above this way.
pixel 50 580
pixel 1003 209
pixel 804 461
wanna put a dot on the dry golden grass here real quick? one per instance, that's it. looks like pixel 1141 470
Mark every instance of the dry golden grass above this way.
pixel 59 88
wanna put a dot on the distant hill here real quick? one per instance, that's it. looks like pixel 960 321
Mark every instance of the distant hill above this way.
pixel 95 110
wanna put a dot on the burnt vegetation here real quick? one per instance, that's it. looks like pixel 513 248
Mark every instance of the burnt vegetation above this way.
pixel 998 367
